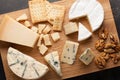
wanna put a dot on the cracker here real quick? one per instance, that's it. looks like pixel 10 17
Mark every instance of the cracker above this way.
pixel 37 11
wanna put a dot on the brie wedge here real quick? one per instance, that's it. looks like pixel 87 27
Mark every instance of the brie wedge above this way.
pixel 83 33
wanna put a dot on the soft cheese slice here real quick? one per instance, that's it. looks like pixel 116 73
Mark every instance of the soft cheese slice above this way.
pixel 25 66
pixel 69 52
pixel 53 60
pixel 92 9
pixel 87 56
pixel 14 32
pixel 83 33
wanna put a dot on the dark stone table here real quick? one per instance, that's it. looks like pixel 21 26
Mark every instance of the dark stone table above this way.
pixel 110 74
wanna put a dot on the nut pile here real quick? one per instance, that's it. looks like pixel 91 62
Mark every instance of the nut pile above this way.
pixel 109 48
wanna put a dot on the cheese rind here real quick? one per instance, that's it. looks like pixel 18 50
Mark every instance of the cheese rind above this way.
pixel 87 56
pixel 70 28
pixel 69 52
pixel 53 60
pixel 25 66
pixel 83 33
pixel 14 32
pixel 92 9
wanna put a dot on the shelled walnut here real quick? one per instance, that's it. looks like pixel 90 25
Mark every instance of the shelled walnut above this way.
pixel 99 45
pixel 100 62
pixel 115 58
pixel 113 39
pixel 103 34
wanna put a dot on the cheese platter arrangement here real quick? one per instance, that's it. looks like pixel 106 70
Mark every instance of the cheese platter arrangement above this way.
pixel 60 40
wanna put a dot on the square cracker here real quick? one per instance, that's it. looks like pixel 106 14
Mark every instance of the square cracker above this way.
pixel 37 10
pixel 56 17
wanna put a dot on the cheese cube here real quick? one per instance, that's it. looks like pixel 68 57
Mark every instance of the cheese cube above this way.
pixel 47 29
pixel 34 29
pixel 87 56
pixel 69 52
pixel 55 36
pixel 41 27
pixel 43 49
pixel 54 62
pixel 40 40
pixel 47 40
pixel 27 24
pixel 14 32
pixel 70 28
pixel 22 17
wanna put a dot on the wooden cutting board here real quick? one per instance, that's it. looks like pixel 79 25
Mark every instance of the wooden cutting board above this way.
pixel 68 71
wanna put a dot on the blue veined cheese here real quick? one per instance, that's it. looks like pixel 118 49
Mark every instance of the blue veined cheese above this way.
pixel 83 33
pixel 87 56
pixel 69 52
pixel 92 9
pixel 53 60
pixel 25 66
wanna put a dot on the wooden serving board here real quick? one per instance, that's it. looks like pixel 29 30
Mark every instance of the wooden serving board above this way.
pixel 68 71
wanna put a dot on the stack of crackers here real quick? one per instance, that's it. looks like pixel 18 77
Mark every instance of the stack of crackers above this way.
pixel 42 10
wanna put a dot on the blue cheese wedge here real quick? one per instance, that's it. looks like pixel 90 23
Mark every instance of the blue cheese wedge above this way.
pixel 92 9
pixel 83 33
pixel 87 56
pixel 53 60
pixel 25 66
pixel 69 52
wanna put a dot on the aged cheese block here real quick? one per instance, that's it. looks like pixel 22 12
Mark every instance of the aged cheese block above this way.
pixel 69 52
pixel 92 9
pixel 87 56
pixel 14 32
pixel 53 60
pixel 83 33
pixel 25 66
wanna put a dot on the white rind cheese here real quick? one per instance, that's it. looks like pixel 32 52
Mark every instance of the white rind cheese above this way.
pixel 90 8
pixel 25 66
pixel 69 52
pixel 83 33
pixel 53 60
pixel 87 56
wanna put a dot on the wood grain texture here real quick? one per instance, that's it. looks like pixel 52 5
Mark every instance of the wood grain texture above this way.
pixel 68 71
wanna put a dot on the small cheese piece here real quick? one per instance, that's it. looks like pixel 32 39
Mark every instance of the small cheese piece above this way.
pixel 70 28
pixel 34 29
pixel 87 56
pixel 92 9
pixel 47 29
pixel 27 24
pixel 43 49
pixel 14 32
pixel 23 17
pixel 41 27
pixel 40 40
pixel 53 60
pixel 25 66
pixel 47 40
pixel 83 33
pixel 55 36
pixel 69 52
